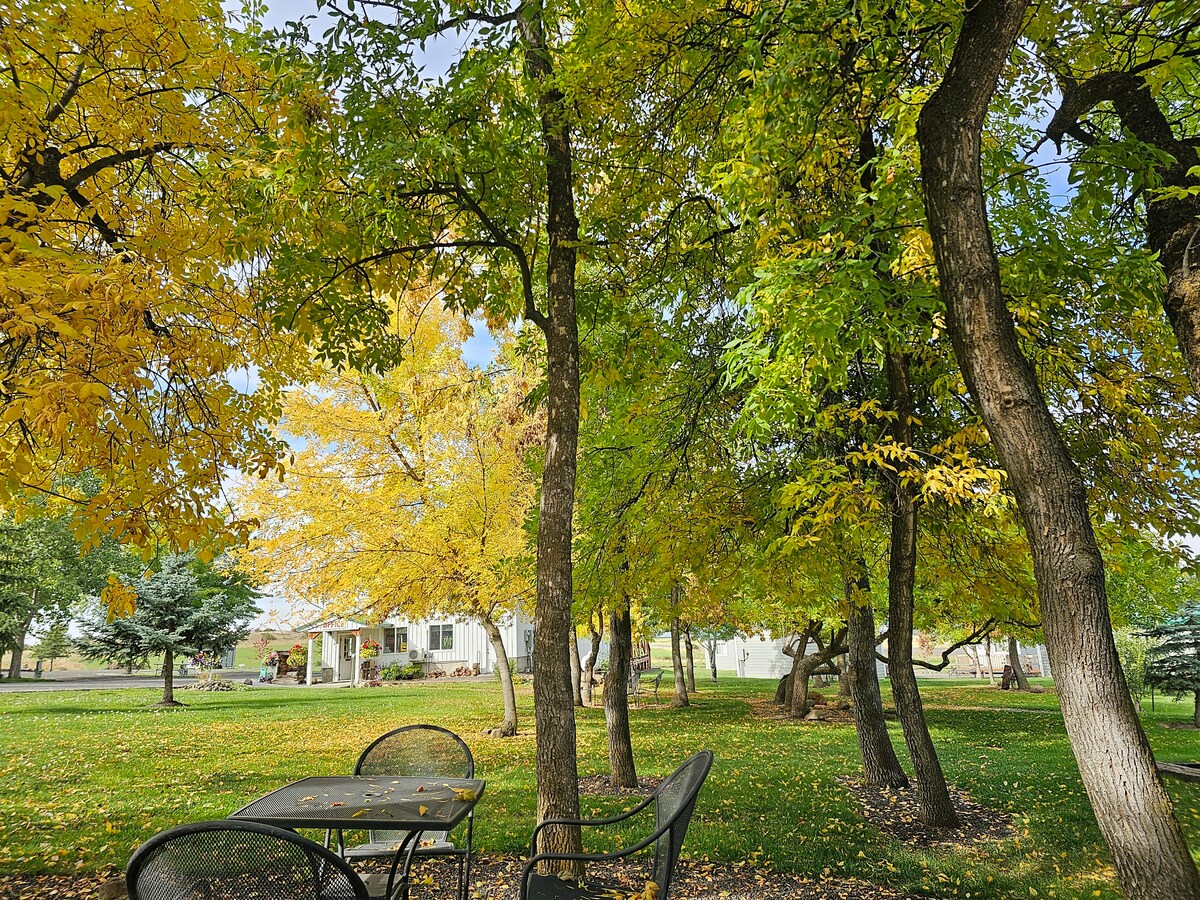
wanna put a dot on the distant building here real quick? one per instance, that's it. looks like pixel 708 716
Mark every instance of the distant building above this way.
pixel 442 643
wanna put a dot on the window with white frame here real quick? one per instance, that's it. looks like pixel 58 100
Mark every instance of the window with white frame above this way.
pixel 395 640
pixel 441 637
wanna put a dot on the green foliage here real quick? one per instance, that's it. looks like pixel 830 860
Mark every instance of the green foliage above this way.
pixel 1133 649
pixel 395 671
pixel 177 611
pixel 1174 659
pixel 54 644
pixel 45 572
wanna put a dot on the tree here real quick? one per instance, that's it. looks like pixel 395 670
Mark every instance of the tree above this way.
pixel 1138 63
pixel 124 328
pixel 174 615
pixel 435 183
pixel 710 637
pixel 45 572
pixel 53 644
pixel 413 490
pixel 1132 807
pixel 1173 661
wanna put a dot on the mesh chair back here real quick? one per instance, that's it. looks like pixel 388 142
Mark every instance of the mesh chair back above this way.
pixel 416 750
pixel 227 860
pixel 674 801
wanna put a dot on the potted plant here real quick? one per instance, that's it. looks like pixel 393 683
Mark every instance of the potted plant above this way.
pixel 298 660
pixel 370 649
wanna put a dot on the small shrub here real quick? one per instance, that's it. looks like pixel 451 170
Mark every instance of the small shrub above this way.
pixel 512 669
pixel 394 671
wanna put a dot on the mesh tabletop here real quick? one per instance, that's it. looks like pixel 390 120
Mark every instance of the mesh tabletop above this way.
pixel 363 801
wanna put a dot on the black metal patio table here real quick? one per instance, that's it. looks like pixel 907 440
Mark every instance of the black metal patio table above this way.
pixel 351 802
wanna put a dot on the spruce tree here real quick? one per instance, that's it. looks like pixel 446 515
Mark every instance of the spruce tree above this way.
pixel 1174 660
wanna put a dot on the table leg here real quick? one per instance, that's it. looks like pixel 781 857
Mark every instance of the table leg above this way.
pixel 412 840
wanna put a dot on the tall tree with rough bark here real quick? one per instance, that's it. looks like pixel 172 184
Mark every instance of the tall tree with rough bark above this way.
pixel 1115 762
pixel 465 183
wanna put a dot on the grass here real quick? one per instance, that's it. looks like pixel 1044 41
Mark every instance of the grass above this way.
pixel 88 775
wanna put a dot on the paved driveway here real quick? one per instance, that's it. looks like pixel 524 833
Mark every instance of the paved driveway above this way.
pixel 87 681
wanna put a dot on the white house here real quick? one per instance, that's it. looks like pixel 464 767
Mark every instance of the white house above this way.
pixel 439 643
pixel 763 657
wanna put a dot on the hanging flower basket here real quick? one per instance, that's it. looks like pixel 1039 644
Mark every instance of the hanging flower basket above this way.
pixel 370 649
pixel 298 657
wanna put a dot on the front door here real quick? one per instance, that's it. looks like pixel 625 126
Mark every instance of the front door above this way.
pixel 345 665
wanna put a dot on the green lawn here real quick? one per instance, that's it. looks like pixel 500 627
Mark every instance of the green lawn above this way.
pixel 85 776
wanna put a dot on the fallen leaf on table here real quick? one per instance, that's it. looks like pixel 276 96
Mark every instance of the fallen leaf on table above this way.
pixel 332 805
pixel 463 793
pixel 361 812
pixel 421 810
pixel 305 799
pixel 421 788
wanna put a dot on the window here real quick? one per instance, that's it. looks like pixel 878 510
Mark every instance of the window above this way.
pixel 395 640
pixel 347 648
pixel 441 637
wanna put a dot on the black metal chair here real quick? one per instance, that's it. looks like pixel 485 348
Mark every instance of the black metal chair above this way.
pixel 423 750
pixel 673 802
pixel 228 860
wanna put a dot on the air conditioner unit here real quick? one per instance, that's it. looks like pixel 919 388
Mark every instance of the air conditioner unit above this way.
pixel 414 655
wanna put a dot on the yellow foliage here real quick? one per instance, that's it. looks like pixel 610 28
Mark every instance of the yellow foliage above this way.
pixel 412 489
pixel 124 336
pixel 119 598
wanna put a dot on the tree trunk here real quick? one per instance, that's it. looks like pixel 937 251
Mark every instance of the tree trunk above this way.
pixel 681 693
pixel 18 650
pixel 1014 660
pixel 622 772
pixel 844 678
pixel 972 652
pixel 1115 762
pixel 801 673
pixel 554 710
pixel 710 647
pixel 880 764
pixel 168 697
pixel 987 649
pixel 576 674
pixel 936 807
pixel 1196 709
pixel 508 727
pixel 689 658
pixel 595 634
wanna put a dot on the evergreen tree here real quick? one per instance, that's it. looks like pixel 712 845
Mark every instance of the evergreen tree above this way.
pixel 1174 661
pixel 54 644
pixel 177 612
